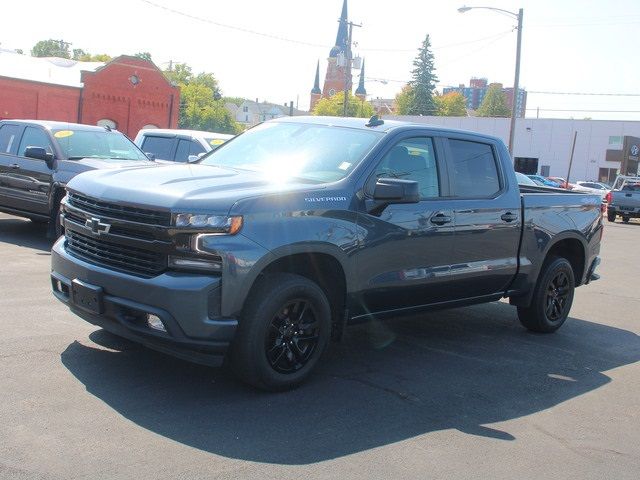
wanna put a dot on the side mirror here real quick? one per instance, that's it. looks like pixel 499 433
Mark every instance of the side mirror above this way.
pixel 195 158
pixel 150 155
pixel 396 190
pixel 39 153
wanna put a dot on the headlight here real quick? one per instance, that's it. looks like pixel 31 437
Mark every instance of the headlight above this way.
pixel 212 223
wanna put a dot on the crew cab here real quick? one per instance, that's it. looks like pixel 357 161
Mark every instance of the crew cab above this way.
pixel 177 145
pixel 38 158
pixel 624 199
pixel 266 248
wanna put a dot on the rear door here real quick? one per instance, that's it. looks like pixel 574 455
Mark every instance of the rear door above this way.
pixel 406 248
pixel 30 181
pixel 486 205
pixel 9 139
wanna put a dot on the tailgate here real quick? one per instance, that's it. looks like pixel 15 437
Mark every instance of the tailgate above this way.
pixel 624 198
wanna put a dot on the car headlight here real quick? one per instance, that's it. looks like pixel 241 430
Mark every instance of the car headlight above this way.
pixel 212 223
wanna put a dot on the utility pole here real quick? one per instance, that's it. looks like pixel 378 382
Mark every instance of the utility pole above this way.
pixel 516 81
pixel 573 147
pixel 347 68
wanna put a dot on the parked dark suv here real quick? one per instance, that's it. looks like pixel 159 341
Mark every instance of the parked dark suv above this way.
pixel 38 158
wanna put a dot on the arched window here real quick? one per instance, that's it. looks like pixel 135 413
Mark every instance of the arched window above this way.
pixel 149 126
pixel 105 122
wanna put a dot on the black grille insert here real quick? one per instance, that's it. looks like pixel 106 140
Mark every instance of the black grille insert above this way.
pixel 133 214
pixel 118 257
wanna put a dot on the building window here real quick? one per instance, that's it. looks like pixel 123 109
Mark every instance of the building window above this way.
pixel 332 92
pixel 615 140
pixel 105 122
pixel 544 170
pixel 607 175
pixel 245 109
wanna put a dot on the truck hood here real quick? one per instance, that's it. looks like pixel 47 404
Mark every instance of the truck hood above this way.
pixel 180 187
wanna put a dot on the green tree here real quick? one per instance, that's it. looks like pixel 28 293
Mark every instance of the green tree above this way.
pixel 423 82
pixel 494 103
pixel 334 106
pixel 237 100
pixel 144 56
pixel 404 100
pixel 51 48
pixel 452 104
pixel 201 105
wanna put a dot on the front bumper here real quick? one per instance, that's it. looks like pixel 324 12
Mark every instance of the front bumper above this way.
pixel 187 304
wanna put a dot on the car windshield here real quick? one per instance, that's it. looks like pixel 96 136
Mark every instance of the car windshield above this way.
pixel 524 180
pixel 215 142
pixel 77 144
pixel 293 150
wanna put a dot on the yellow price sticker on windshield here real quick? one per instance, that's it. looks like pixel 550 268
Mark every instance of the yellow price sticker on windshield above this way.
pixel 216 141
pixel 63 134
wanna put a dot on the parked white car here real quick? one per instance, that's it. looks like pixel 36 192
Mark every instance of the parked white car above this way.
pixel 178 145
pixel 596 188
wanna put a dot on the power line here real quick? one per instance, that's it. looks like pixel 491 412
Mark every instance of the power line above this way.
pixel 584 111
pixel 587 94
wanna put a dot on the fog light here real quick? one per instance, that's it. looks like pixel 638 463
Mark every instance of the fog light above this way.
pixel 209 264
pixel 153 321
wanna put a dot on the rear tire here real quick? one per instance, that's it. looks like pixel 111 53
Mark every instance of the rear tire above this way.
pixel 282 333
pixel 625 219
pixel 611 216
pixel 552 297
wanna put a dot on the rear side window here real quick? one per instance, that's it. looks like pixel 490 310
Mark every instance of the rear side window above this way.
pixel 34 137
pixel 160 146
pixel 475 173
pixel 182 152
pixel 8 140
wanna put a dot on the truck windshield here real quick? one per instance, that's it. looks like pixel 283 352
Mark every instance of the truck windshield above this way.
pixel 77 144
pixel 316 153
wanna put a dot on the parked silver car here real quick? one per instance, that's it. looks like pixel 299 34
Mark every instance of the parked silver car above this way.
pixel 179 145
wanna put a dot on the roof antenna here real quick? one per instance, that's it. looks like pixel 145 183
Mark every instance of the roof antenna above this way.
pixel 374 121
pixel 107 128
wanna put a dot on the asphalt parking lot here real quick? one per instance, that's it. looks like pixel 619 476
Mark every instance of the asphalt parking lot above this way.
pixel 465 393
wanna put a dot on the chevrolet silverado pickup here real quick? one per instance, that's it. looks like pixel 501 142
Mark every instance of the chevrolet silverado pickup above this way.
pixel 38 158
pixel 265 249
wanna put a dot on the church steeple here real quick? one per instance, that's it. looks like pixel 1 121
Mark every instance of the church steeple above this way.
pixel 361 90
pixel 343 34
pixel 316 85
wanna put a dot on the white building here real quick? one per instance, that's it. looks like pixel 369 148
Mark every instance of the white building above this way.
pixel 250 113
pixel 544 145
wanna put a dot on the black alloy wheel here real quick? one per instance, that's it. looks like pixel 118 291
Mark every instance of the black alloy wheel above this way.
pixel 557 294
pixel 292 336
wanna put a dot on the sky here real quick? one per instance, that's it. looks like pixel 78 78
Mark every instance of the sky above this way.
pixel 575 46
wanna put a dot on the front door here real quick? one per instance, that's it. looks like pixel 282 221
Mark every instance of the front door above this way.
pixel 9 139
pixel 406 248
pixel 29 181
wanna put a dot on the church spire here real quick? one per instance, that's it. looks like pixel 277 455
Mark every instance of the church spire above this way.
pixel 316 85
pixel 343 35
pixel 361 90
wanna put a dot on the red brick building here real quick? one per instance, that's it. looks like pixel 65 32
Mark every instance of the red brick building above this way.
pixel 128 92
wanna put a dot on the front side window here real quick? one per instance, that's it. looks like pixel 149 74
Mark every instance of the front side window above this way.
pixel 78 144
pixel 182 152
pixel 412 159
pixel 34 137
pixel 8 138
pixel 161 147
pixel 475 173
pixel 317 153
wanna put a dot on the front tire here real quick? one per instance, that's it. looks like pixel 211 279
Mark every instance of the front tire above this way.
pixel 552 297
pixel 282 333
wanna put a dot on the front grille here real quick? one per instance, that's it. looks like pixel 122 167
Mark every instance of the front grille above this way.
pixel 115 256
pixel 132 214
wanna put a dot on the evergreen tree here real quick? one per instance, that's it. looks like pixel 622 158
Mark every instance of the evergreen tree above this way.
pixel 424 82
pixel 494 103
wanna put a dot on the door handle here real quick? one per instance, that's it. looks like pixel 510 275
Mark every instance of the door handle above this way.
pixel 509 217
pixel 14 166
pixel 440 219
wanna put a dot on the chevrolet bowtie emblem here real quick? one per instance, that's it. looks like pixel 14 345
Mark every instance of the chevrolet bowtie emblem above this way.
pixel 97 226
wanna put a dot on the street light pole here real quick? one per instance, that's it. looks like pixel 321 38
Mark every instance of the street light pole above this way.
pixel 516 81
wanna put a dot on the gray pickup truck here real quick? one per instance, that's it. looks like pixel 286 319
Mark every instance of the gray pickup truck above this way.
pixel 266 248
pixel 624 199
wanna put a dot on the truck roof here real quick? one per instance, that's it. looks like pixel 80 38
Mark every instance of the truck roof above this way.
pixel 55 125
pixel 361 123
